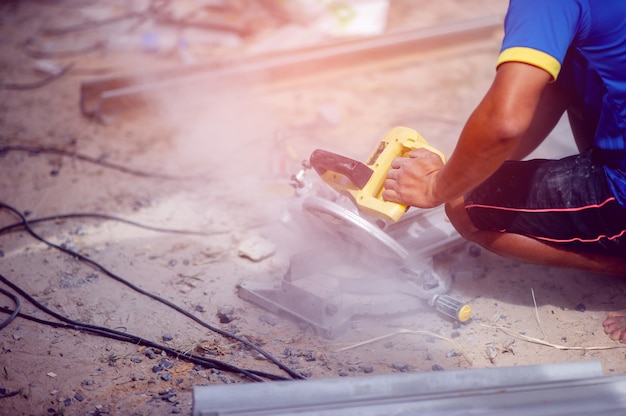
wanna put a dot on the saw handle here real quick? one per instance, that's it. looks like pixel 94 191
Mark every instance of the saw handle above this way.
pixel 358 173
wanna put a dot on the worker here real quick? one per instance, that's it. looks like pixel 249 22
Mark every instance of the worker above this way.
pixel 557 57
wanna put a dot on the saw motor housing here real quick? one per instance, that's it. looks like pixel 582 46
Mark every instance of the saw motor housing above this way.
pixel 364 181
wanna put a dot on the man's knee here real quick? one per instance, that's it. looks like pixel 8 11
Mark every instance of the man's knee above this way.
pixel 460 220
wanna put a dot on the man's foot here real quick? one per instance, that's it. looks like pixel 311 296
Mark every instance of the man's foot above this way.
pixel 615 325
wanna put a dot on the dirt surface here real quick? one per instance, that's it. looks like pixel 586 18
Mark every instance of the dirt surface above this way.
pixel 230 150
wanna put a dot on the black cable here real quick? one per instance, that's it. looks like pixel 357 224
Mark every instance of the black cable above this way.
pixel 126 337
pixel 91 24
pixel 36 84
pixel 29 50
pixel 20 225
pixel 154 7
pixel 242 30
pixel 16 311
pixel 89 159
pixel 9 394
pixel 164 301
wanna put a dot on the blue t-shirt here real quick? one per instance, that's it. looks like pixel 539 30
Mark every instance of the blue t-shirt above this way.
pixel 582 44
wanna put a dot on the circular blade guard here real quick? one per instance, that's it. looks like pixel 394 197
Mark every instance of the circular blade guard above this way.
pixel 337 220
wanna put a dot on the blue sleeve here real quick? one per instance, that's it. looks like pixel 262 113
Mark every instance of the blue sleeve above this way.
pixel 539 32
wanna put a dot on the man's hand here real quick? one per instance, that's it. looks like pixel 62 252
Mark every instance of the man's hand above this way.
pixel 411 180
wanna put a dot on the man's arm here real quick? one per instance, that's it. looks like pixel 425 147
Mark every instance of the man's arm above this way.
pixel 517 109
pixel 552 105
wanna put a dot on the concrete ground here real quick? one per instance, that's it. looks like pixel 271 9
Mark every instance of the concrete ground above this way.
pixel 218 158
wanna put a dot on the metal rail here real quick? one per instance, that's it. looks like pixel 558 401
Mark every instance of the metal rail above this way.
pixel 102 97
pixel 567 389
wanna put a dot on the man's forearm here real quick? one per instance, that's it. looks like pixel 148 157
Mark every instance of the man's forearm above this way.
pixel 480 151
pixel 518 108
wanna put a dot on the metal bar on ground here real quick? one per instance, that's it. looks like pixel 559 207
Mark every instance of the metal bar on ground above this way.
pixel 577 388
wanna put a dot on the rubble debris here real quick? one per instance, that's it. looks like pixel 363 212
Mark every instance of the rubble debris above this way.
pixel 48 67
pixel 150 353
pixel 492 353
pixel 226 313
pixel 267 320
pixel 453 353
pixel 256 248
pixel 402 367
pixel 346 18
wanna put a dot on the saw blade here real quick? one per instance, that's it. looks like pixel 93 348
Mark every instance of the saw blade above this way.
pixel 336 219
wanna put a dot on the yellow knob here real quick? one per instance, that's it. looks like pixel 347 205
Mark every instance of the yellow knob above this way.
pixel 465 313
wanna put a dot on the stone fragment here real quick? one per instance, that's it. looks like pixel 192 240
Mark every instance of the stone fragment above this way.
pixel 256 248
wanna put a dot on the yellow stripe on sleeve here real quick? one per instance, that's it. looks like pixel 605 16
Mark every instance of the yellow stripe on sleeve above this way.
pixel 532 57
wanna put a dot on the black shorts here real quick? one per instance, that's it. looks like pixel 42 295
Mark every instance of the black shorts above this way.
pixel 566 202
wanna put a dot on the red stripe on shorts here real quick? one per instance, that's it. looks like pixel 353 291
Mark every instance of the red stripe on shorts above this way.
pixel 539 210
pixel 601 204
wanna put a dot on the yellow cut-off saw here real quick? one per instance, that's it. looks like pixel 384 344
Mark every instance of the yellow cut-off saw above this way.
pixel 367 256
